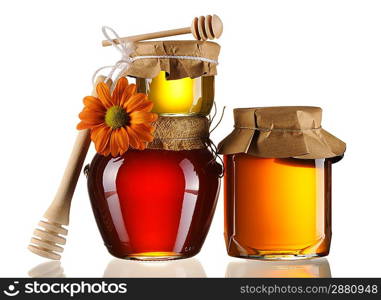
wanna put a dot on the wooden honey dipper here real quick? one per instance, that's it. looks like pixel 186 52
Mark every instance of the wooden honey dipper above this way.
pixel 47 240
pixel 202 28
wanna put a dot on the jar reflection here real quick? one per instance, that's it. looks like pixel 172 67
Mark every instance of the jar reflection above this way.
pixel 311 268
pixel 179 268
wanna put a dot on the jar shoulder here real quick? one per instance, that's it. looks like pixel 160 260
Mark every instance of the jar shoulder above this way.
pixel 199 161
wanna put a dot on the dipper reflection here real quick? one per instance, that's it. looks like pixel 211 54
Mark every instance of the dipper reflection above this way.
pixel 47 269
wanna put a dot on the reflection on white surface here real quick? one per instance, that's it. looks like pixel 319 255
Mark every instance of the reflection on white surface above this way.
pixel 177 268
pixel 47 269
pixel 311 268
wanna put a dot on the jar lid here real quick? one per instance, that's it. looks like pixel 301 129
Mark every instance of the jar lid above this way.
pixel 179 59
pixel 281 132
pixel 180 133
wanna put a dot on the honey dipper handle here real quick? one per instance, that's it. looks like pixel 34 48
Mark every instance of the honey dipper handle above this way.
pixel 150 36
pixel 59 209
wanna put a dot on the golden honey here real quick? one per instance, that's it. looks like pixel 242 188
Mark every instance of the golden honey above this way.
pixel 180 97
pixel 277 208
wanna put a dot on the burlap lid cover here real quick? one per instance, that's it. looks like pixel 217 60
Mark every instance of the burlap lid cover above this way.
pixel 176 68
pixel 281 132
pixel 180 133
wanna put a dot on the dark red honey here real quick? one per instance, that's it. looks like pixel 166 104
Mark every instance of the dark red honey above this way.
pixel 154 204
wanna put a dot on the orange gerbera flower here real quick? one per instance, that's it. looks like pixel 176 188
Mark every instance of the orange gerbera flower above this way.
pixel 119 120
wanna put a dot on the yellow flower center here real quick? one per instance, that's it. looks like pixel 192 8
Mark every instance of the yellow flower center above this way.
pixel 116 117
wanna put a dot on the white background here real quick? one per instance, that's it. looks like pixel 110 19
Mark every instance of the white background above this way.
pixel 324 52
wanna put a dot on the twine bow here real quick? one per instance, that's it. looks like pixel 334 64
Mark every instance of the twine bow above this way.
pixel 122 65
pixel 127 48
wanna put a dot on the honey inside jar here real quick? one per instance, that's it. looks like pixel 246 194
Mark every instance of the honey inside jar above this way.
pixel 179 97
pixel 277 208
pixel 154 204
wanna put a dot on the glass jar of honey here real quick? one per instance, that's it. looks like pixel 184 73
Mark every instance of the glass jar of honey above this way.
pixel 178 76
pixel 278 163
pixel 158 203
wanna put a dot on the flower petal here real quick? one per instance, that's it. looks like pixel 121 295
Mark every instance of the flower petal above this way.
pixel 82 125
pixel 93 103
pixel 104 96
pixel 147 127
pixel 117 94
pixel 106 151
pixel 142 132
pixel 113 143
pixel 134 101
pixel 96 130
pixel 128 92
pixel 102 140
pixel 140 117
pixel 142 145
pixel 133 138
pixel 145 106
pixel 91 117
pixel 123 140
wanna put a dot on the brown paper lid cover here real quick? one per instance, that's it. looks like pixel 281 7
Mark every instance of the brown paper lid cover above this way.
pixel 281 132
pixel 197 58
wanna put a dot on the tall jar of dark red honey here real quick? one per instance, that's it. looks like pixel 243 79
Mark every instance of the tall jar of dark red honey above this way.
pixel 158 203
pixel 278 163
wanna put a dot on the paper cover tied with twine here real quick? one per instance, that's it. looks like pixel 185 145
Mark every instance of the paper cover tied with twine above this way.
pixel 179 59
pixel 281 132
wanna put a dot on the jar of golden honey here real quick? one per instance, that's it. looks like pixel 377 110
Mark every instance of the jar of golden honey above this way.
pixel 157 203
pixel 277 184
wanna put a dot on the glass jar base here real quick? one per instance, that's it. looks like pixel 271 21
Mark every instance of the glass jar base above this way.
pixel 318 248
pixel 278 256
pixel 154 256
